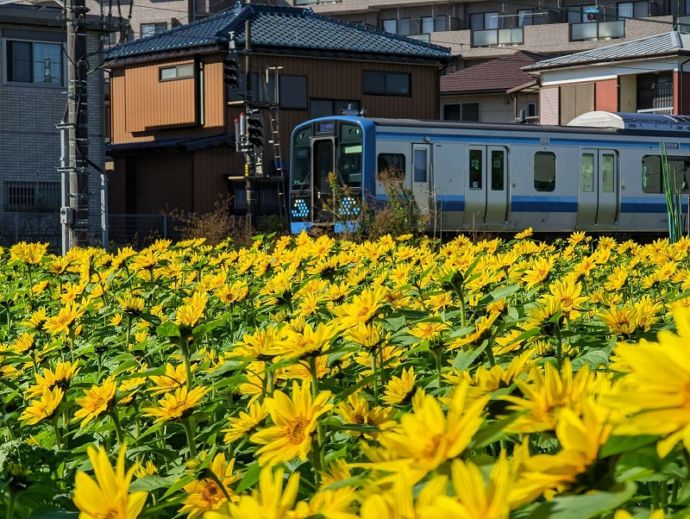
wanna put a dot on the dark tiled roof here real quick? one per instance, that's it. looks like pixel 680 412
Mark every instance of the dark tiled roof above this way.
pixel 498 75
pixel 673 42
pixel 281 28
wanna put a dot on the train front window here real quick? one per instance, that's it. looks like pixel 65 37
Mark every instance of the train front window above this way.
pixel 350 155
pixel 301 160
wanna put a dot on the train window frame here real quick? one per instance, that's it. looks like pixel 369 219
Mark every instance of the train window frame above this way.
pixel 501 186
pixel 546 185
pixel 420 173
pixel 587 188
pixel 659 190
pixel 474 182
pixel 608 184
pixel 399 169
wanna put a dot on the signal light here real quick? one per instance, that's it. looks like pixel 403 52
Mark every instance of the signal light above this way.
pixel 231 70
pixel 255 130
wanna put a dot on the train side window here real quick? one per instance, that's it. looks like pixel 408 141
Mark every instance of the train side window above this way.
pixel 475 157
pixel 608 172
pixel 544 171
pixel 587 173
pixel 497 169
pixel 420 166
pixel 391 166
pixel 651 174
pixel 680 173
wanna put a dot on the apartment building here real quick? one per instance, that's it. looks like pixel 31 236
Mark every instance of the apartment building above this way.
pixel 33 80
pixel 489 28
pixel 650 75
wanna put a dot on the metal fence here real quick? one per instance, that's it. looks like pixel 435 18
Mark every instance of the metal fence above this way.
pixel 141 229
pixel 32 227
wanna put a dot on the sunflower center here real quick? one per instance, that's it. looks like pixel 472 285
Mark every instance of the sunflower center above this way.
pixel 110 514
pixel 211 493
pixel 296 431
pixel 432 446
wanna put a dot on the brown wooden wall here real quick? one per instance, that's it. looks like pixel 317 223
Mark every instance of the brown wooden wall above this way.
pixel 151 103
pixel 327 79
pixel 606 95
pixel 145 109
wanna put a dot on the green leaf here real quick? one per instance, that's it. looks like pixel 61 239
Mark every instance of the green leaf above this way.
pixel 594 359
pixel 168 329
pixel 209 326
pixel 491 433
pixel 585 506
pixel 149 483
pixel 619 444
pixel 250 477
pixel 54 514
pixel 465 358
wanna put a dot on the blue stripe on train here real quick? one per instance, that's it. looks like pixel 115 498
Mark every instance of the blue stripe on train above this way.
pixel 543 204
pixel 451 202
pixel 647 205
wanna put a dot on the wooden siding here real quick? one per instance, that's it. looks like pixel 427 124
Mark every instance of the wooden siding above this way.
pixel 151 103
pixel 548 105
pixel 575 100
pixel 606 95
pixel 214 93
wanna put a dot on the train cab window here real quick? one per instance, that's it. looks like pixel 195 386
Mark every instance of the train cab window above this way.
pixel 608 172
pixel 475 157
pixel 544 171
pixel 391 166
pixel 587 173
pixel 420 165
pixel 497 169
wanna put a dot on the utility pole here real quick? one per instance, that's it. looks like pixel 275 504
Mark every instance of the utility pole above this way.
pixel 74 214
pixel 249 165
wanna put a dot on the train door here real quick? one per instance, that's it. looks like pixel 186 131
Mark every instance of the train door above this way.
pixel 323 153
pixel 421 175
pixel 486 191
pixel 599 181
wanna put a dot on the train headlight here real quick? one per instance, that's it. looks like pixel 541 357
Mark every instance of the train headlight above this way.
pixel 348 207
pixel 300 209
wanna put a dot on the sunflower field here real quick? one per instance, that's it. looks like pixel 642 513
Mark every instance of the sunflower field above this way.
pixel 317 378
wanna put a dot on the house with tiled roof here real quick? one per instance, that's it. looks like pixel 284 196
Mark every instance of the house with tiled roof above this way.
pixel 646 75
pixel 495 91
pixel 173 115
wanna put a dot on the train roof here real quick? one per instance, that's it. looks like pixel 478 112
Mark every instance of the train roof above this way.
pixel 617 123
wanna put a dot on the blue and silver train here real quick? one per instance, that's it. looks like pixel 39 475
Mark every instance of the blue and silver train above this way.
pixel 602 172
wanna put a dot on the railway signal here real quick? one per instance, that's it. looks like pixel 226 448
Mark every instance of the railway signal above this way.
pixel 255 129
pixel 231 70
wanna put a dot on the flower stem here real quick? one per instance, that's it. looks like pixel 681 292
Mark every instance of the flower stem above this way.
pixel 490 353
pixel 559 346
pixel 10 506
pixel 118 426
pixel 189 431
pixel 187 361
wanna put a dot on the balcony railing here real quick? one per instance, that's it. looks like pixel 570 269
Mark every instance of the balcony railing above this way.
pixel 654 99
pixel 497 37
pixel 597 30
